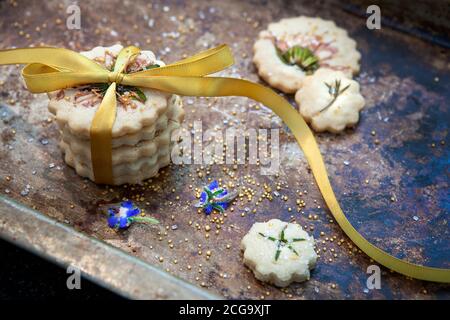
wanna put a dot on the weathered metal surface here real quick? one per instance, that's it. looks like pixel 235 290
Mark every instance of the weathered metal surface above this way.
pixel 390 173
pixel 97 260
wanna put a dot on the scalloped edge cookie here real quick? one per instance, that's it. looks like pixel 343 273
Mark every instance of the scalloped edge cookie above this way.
pixel 125 154
pixel 175 113
pixel 166 124
pixel 294 31
pixel 290 266
pixel 135 173
pixel 314 95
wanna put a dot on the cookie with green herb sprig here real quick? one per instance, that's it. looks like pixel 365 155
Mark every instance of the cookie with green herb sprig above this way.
pixel 293 48
pixel 279 252
pixel 330 101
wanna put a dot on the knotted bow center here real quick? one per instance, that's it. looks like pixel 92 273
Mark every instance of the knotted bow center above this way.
pixel 124 58
pixel 116 76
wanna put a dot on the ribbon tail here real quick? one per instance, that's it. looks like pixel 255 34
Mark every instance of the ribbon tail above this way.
pixel 57 58
pixel 213 87
pixel 101 137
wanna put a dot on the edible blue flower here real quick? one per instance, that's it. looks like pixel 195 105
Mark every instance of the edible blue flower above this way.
pixel 214 197
pixel 121 217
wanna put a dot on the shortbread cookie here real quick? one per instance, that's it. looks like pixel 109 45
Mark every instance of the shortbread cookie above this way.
pixel 329 101
pixel 147 133
pixel 175 113
pixel 76 107
pixel 285 53
pixel 279 252
pixel 136 172
pixel 124 154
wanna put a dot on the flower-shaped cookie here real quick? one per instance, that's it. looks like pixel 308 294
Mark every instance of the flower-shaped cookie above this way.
pixel 330 101
pixel 279 252
pixel 292 48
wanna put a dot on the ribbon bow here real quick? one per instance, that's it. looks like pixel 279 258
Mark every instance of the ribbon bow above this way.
pixel 50 69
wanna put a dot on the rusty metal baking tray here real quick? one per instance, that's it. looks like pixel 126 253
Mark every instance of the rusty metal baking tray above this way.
pixel 391 173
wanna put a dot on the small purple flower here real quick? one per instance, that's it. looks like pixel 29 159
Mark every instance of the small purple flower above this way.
pixel 121 217
pixel 214 197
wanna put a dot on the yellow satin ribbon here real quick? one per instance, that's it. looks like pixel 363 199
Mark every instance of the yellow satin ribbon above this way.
pixel 50 69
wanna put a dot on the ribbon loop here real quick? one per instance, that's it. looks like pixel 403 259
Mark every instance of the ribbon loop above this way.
pixel 125 57
pixel 199 65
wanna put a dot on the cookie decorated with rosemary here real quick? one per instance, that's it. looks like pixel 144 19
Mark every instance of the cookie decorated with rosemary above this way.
pixel 279 252
pixel 330 101
pixel 293 48
pixel 137 108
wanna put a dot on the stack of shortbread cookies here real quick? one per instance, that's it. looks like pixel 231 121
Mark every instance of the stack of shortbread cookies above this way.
pixel 142 130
